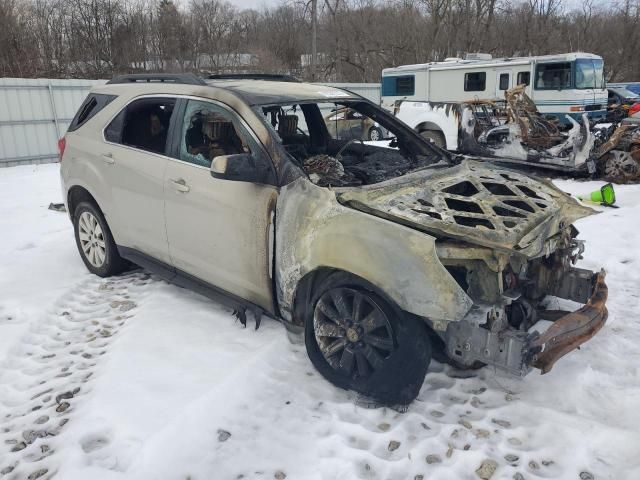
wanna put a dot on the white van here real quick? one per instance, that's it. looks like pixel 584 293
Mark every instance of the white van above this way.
pixel 569 84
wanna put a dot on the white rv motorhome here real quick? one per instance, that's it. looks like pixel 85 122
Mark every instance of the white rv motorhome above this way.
pixel 570 84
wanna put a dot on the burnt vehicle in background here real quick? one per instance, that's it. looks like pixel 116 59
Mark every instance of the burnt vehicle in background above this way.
pixel 513 132
pixel 621 103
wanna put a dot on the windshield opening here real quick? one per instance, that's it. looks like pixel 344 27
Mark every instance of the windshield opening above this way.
pixel 347 143
pixel 589 73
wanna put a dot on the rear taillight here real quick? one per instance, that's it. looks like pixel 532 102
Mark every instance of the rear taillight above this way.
pixel 62 143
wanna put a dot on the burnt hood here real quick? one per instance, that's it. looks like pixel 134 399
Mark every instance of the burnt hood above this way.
pixel 473 202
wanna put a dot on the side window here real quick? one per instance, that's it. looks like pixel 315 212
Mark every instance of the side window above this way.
pixel 398 86
pixel 209 131
pixel 113 132
pixel 89 108
pixel 504 81
pixel 524 78
pixel 553 76
pixel 142 124
pixel 475 81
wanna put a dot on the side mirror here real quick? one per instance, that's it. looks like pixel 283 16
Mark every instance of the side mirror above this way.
pixel 230 167
pixel 240 167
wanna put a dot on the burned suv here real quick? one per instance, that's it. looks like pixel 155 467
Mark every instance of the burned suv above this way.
pixel 380 254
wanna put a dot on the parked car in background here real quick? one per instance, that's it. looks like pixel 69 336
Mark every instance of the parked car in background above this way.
pixel 346 123
pixel 631 86
pixel 378 256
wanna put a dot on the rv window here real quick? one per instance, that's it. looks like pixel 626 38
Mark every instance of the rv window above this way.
pixel 475 81
pixel 504 81
pixel 553 76
pixel 398 86
pixel 589 73
pixel 524 78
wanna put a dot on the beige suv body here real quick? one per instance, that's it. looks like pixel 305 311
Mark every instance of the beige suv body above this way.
pixel 381 256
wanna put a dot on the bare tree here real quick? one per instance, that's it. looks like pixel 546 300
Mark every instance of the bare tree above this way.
pixel 350 40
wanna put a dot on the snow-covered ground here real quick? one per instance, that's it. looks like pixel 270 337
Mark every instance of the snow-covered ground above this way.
pixel 133 378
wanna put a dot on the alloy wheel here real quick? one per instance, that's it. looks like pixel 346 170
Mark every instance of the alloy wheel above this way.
pixel 92 239
pixel 353 333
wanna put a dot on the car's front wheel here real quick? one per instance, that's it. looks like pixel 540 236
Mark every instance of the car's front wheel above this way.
pixel 359 341
pixel 95 242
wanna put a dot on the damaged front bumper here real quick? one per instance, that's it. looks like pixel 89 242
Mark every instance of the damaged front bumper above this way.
pixel 571 330
pixel 517 352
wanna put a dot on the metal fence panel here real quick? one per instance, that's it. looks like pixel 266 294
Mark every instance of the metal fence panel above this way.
pixel 370 91
pixel 34 114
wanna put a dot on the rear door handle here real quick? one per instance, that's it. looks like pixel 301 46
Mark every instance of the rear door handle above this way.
pixel 180 185
pixel 108 158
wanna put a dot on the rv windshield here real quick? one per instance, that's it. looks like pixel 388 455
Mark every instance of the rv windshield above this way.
pixel 589 73
pixel 348 143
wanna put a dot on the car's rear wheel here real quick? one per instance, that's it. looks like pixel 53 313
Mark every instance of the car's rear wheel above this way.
pixel 95 242
pixel 360 341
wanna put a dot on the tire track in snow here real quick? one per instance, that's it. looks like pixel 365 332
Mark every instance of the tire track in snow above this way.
pixel 51 369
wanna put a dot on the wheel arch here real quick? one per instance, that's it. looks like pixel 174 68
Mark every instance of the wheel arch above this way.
pixel 306 285
pixel 304 291
pixel 427 125
pixel 78 194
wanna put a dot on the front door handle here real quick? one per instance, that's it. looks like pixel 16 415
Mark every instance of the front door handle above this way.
pixel 108 158
pixel 180 185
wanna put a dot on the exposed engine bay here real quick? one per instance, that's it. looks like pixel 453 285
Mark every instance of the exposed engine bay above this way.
pixel 328 140
pixel 511 300
pixel 508 242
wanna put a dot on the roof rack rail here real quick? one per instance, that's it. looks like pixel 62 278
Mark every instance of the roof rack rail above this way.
pixel 274 77
pixel 184 78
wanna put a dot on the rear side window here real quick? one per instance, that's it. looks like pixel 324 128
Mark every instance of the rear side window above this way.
pixel 89 108
pixel 142 124
pixel 398 86
pixel 475 81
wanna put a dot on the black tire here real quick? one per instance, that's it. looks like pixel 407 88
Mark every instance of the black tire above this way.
pixel 375 134
pixel 435 137
pixel 112 263
pixel 398 376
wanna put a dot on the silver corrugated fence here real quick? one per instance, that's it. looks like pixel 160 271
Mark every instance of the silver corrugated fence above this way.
pixel 34 114
pixel 370 91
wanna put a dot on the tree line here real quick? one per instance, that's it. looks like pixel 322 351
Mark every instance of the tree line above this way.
pixel 356 39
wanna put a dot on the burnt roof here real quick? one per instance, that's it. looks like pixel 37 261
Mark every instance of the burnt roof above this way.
pixel 266 92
